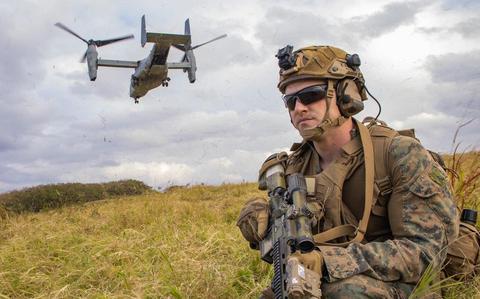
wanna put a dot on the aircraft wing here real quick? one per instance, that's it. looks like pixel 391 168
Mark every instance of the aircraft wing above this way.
pixel 157 38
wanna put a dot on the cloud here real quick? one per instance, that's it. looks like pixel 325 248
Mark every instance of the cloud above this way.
pixel 57 126
pixel 153 173
pixel 462 4
pixel 436 130
pixel 232 50
pixel 469 28
pixel 458 79
pixel 455 87
pixel 427 122
pixel 288 25
pixel 389 18
pixel 454 67
pixel 20 70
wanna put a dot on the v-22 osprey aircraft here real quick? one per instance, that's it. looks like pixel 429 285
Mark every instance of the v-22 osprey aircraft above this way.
pixel 152 71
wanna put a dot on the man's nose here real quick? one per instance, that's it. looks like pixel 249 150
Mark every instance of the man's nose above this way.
pixel 299 106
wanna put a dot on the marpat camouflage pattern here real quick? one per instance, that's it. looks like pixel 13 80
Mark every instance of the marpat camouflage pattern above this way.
pixel 423 221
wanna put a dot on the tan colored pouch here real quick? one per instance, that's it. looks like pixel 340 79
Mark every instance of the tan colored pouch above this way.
pixel 463 257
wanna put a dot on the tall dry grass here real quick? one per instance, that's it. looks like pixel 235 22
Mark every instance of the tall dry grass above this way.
pixel 182 243
pixel 179 244
pixel 464 172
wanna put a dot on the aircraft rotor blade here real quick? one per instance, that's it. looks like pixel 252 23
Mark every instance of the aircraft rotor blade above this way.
pixel 179 47
pixel 212 40
pixel 60 25
pixel 84 57
pixel 100 43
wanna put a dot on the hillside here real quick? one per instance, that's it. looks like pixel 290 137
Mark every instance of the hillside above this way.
pixel 182 243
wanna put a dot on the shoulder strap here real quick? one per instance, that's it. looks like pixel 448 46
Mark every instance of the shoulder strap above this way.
pixel 347 229
pixel 382 137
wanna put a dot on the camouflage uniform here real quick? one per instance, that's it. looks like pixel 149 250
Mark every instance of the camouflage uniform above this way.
pixel 413 216
pixel 418 224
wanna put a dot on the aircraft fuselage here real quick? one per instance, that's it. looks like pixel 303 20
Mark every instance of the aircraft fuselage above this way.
pixel 145 79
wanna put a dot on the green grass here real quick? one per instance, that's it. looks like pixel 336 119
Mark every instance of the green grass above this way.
pixel 182 243
pixel 178 244
pixel 35 199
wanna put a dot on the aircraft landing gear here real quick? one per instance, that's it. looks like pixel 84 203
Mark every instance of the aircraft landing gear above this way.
pixel 165 82
pixel 135 100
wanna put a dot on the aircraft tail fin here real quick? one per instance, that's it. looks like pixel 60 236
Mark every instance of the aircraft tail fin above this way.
pixel 187 27
pixel 143 33
pixel 166 38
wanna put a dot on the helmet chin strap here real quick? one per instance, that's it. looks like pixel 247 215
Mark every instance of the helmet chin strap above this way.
pixel 316 134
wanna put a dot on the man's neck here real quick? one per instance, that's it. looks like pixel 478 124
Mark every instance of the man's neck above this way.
pixel 330 146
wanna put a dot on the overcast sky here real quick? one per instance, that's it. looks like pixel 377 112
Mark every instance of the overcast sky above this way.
pixel 420 59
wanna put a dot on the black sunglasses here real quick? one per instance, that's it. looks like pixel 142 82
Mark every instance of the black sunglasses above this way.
pixel 307 96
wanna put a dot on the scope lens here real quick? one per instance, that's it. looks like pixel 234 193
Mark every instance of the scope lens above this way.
pixel 305 245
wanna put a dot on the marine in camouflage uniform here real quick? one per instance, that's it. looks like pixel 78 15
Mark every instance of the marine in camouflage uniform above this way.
pixel 413 216
pixel 409 227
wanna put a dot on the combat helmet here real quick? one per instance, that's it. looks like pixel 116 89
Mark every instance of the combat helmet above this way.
pixel 335 66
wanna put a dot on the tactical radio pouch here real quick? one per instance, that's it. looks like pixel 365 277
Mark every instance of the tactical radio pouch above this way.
pixel 463 256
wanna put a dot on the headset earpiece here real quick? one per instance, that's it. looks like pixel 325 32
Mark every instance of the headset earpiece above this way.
pixel 346 99
pixel 349 99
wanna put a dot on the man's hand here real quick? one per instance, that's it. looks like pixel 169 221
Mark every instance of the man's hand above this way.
pixel 317 212
pixel 304 274
pixel 253 220
pixel 312 260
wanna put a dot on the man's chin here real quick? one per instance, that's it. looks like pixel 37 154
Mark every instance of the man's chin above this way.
pixel 307 124
pixel 305 127
pixel 310 134
pixel 305 130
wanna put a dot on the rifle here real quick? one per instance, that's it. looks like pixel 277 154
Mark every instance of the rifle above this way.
pixel 289 231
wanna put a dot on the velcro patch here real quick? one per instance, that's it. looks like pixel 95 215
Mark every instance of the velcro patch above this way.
pixel 437 176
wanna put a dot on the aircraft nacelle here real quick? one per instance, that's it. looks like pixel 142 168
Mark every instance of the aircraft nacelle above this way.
pixel 193 68
pixel 92 58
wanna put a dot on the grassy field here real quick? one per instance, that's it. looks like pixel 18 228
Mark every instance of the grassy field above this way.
pixel 179 244
pixel 182 243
